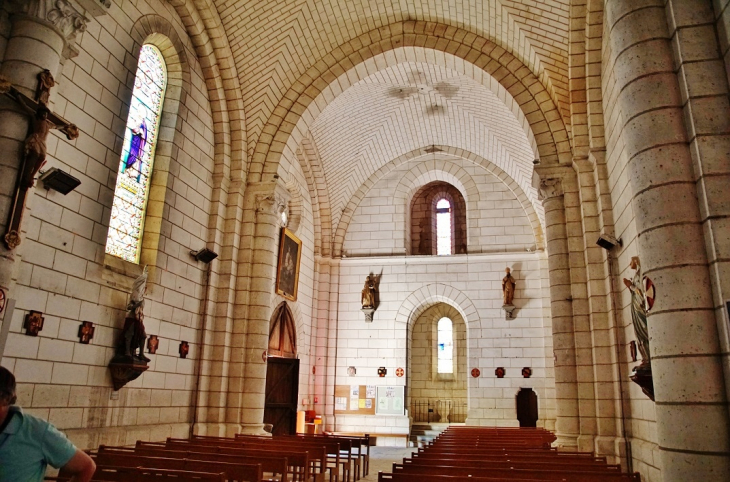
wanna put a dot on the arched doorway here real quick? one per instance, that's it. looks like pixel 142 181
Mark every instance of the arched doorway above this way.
pixel 282 373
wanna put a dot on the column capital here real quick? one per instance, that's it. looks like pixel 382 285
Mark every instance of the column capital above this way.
pixel 550 188
pixel 64 16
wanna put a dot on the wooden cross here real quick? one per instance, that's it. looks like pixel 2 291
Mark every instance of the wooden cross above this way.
pixel 34 152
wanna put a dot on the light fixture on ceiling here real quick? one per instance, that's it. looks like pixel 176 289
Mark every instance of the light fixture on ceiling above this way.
pixel 432 149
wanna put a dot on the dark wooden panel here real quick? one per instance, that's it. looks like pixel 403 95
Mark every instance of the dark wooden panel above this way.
pixel 282 393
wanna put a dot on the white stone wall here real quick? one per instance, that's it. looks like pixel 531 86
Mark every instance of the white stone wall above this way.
pixel 472 285
pixel 64 273
pixel 302 222
pixel 496 221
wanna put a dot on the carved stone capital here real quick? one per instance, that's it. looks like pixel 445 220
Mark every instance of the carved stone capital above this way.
pixel 63 15
pixel 271 204
pixel 550 188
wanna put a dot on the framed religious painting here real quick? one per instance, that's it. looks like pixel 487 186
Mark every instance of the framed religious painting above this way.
pixel 287 271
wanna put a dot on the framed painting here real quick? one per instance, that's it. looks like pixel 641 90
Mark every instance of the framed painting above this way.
pixel 287 272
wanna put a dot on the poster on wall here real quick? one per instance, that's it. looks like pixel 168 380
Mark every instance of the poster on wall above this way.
pixel 390 400
pixel 340 403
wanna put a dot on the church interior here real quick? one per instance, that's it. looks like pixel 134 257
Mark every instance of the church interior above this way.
pixel 217 214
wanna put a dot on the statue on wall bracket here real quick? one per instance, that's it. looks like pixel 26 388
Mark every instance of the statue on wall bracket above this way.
pixel 508 292
pixel 369 296
pixel 129 362
pixel 642 300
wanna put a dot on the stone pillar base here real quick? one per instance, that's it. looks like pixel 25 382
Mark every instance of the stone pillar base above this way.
pixel 252 429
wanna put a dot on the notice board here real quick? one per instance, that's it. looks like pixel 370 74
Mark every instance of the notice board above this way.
pixel 390 401
pixel 355 399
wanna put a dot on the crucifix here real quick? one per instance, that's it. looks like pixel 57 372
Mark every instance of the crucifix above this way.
pixel 34 149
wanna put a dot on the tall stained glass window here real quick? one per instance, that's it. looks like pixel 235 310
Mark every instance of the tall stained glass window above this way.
pixel 443 227
pixel 124 239
pixel 445 346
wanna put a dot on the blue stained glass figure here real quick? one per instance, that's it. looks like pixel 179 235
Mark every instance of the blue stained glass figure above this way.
pixel 136 149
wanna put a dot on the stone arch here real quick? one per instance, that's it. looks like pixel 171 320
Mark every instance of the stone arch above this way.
pixel 319 194
pixel 534 212
pixel 523 85
pixel 426 296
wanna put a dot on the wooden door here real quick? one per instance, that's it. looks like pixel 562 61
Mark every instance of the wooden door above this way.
pixel 282 392
pixel 527 407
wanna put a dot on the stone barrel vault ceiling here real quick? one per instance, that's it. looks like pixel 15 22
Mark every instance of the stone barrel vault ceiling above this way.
pixel 275 41
pixel 410 106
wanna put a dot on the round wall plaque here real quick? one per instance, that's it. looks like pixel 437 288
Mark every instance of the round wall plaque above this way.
pixel 475 372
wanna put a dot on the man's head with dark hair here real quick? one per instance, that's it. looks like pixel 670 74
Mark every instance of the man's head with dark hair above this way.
pixel 7 387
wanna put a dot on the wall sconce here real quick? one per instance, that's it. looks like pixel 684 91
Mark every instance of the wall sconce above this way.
pixel 205 255
pixel 58 180
pixel 606 241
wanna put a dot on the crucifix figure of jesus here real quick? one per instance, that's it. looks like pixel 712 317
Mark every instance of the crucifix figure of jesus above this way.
pixel 34 151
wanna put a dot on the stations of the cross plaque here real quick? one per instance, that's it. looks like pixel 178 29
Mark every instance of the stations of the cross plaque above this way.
pixel 34 148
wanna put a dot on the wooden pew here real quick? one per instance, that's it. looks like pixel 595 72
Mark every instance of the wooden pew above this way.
pixel 233 471
pixel 300 466
pixel 318 452
pixel 511 475
pixel 275 466
pixel 142 474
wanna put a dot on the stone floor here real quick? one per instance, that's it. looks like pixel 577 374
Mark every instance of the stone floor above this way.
pixel 382 458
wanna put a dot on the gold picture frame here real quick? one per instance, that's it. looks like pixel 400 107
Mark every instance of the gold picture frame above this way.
pixel 287 271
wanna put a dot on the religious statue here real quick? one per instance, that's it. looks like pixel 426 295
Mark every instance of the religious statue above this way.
pixel 508 287
pixel 45 84
pixel 133 334
pixel 638 310
pixel 368 293
pixel 35 143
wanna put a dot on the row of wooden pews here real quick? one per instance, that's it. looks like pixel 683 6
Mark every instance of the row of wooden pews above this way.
pixel 486 454
pixel 245 458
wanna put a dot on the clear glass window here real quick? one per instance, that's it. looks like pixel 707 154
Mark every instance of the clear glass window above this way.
pixel 124 238
pixel 443 227
pixel 445 346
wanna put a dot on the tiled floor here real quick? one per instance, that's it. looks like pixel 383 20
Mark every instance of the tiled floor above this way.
pixel 382 458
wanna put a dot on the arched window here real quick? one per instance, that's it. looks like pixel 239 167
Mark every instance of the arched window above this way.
pixel 126 225
pixel 445 346
pixel 443 227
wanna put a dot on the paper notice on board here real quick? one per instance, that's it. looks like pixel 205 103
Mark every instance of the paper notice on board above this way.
pixel 389 392
pixel 340 403
pixel 370 391
pixel 369 403
pixel 354 404
pixel 354 391
pixel 362 403
pixel 383 404
pixel 397 403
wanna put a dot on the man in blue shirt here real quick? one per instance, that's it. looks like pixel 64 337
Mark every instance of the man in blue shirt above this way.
pixel 28 444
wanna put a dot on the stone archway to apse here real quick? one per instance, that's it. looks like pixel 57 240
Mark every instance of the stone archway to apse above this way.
pixel 442 299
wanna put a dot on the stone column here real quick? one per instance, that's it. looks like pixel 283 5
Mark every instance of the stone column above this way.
pixel 35 44
pixel 693 431
pixel 567 425
pixel 263 273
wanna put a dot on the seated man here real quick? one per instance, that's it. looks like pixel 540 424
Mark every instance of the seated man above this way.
pixel 28 444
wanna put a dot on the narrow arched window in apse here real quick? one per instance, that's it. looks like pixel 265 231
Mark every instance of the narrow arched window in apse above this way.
pixel 445 346
pixel 443 227
pixel 126 225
